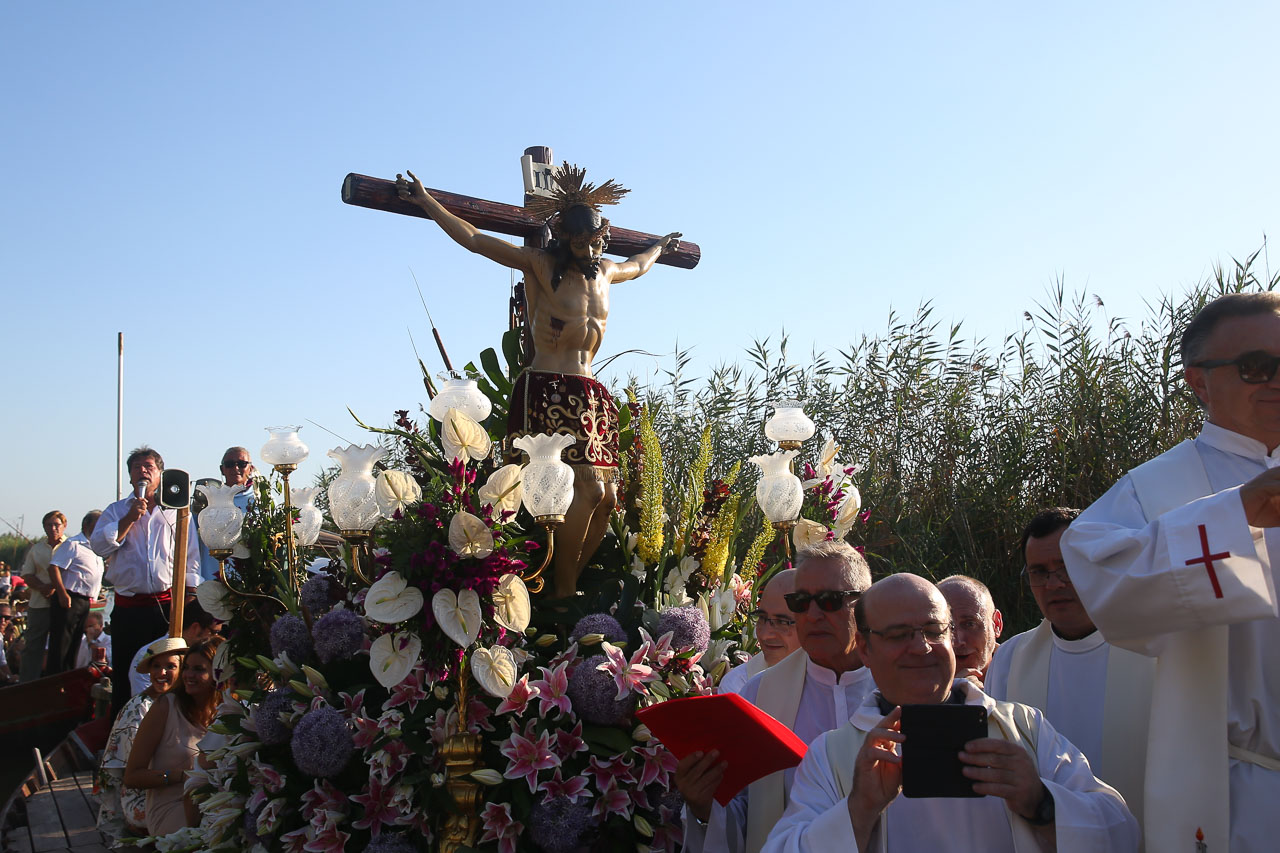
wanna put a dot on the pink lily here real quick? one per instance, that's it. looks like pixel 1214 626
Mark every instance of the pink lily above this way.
pixel 501 827
pixel 659 651
pixel 412 690
pixel 323 797
pixel 552 690
pixel 572 790
pixel 612 801
pixel 390 760
pixel 367 732
pixel 570 743
pixel 526 757
pixel 518 698
pixel 379 807
pixel 628 675
pixel 327 838
pixel 353 706
pixel 614 772
pixel 657 765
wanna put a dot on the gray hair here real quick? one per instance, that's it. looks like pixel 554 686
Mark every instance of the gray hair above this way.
pixel 1223 308
pixel 980 588
pixel 853 566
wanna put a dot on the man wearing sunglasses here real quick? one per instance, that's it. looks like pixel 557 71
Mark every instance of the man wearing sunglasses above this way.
pixel 1035 790
pixel 237 470
pixel 775 628
pixel 1095 694
pixel 1175 562
pixel 812 690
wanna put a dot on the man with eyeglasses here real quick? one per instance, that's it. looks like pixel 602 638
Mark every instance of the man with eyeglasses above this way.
pixel 978 623
pixel 1035 789
pixel 1096 694
pixel 775 628
pixel 810 691
pixel 1174 561
pixel 237 470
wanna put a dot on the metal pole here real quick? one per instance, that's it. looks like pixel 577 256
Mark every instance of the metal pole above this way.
pixel 119 411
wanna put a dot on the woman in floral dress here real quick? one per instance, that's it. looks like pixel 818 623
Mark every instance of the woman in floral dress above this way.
pixel 123 809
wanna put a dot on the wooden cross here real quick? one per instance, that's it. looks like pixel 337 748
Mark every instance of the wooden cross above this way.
pixel 380 194
pixel 1207 558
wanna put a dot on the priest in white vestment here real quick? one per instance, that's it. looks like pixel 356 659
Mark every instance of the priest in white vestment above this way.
pixel 812 690
pixel 775 628
pixel 977 624
pixel 1037 790
pixel 1174 562
pixel 1098 696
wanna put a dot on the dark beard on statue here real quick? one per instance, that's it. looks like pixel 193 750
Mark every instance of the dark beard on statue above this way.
pixel 589 267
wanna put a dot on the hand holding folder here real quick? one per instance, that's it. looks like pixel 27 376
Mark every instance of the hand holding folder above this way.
pixel 752 743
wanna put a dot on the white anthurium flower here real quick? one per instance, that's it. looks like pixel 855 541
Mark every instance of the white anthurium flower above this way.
pixel 848 510
pixel 469 536
pixel 458 615
pixel 808 532
pixel 463 438
pixel 511 608
pixel 721 606
pixel 503 490
pixel 215 598
pixel 391 600
pixel 396 490
pixel 393 656
pixel 495 670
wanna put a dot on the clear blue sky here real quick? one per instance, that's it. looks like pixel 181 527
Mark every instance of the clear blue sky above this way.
pixel 174 174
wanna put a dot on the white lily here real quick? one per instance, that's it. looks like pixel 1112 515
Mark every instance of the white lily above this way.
pixel 458 615
pixel 503 490
pixel 808 532
pixel 469 536
pixel 215 598
pixel 391 600
pixel 511 608
pixel 463 438
pixel 848 513
pixel 394 491
pixel 393 656
pixel 495 670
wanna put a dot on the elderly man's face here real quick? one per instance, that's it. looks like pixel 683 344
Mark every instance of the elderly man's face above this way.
pixel 1230 402
pixel 54 528
pixel 236 468
pixel 977 624
pixel 776 625
pixel 908 648
pixel 827 636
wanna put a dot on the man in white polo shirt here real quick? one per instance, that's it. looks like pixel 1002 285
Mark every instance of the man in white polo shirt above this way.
pixel 76 573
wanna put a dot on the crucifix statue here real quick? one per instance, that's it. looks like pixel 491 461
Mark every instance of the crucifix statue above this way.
pixel 567 292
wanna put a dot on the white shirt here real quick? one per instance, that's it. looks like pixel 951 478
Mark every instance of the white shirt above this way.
pixel 826 702
pixel 143 562
pixel 81 568
pixel 36 564
pixel 85 656
pixel 1089 816
pixel 1077 687
pixel 1133 577
pixel 735 679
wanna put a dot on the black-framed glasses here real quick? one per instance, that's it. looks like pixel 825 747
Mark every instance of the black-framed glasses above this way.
pixel 782 623
pixel 829 600
pixel 1254 367
pixel 236 463
pixel 1039 576
pixel 902 634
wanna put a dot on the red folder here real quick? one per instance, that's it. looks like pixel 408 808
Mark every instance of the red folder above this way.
pixel 753 743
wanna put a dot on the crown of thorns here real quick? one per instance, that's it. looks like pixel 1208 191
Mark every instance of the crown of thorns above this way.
pixel 572 190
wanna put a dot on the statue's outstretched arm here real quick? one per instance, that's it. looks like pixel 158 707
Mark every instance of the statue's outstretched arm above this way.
pixel 637 265
pixel 464 233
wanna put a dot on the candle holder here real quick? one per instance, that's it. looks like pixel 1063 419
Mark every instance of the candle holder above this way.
pixel 283 451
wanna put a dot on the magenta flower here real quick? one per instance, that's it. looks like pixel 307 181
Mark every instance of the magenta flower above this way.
pixel 295 840
pixel 412 690
pixel 323 797
pixel 612 801
pixel 552 690
pixel 379 807
pixel 366 732
pixel 518 698
pixel 501 827
pixel 327 838
pixel 526 756
pixel 612 773
pixel 352 706
pixel 569 742
pixel 628 675
pixel 659 651
pixel 390 760
pixel 657 765
pixel 572 790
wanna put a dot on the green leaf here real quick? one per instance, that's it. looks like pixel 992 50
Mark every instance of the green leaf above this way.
pixel 608 740
pixel 496 374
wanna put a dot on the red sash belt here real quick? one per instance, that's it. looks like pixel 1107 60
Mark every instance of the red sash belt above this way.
pixel 144 599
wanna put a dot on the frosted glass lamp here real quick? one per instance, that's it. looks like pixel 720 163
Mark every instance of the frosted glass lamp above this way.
pixel 789 426
pixel 461 394
pixel 547 480
pixel 284 447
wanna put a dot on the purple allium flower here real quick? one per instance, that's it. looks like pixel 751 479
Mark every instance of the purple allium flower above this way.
pixel 266 717
pixel 557 825
pixel 251 825
pixel 391 843
pixel 599 623
pixel 289 634
pixel 338 635
pixel 315 594
pixel 322 743
pixel 688 627
pixel 592 693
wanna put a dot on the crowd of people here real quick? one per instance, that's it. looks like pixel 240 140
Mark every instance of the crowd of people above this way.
pixel 1143 712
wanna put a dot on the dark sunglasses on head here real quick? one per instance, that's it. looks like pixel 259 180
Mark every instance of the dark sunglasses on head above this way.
pixel 1254 367
pixel 829 600
pixel 236 463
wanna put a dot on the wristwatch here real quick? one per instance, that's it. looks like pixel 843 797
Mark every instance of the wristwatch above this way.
pixel 165 774
pixel 1045 811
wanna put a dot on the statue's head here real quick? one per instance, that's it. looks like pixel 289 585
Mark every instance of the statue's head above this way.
pixel 579 233
pixel 583 231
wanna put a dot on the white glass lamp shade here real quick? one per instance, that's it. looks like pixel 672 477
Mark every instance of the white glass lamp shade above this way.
pixel 220 522
pixel 779 491
pixel 463 395
pixel 284 447
pixel 547 481
pixel 789 423
pixel 353 499
pixel 306 530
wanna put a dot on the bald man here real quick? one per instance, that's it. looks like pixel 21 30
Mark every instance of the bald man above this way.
pixel 977 624
pixel 775 632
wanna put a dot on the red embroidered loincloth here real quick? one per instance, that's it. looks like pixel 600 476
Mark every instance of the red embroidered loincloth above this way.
pixel 544 402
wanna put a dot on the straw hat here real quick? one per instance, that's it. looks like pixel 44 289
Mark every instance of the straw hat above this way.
pixel 167 646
